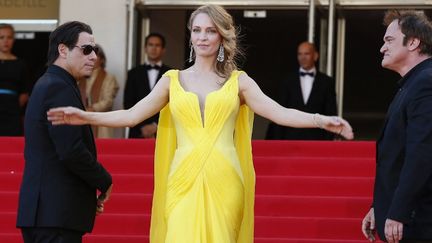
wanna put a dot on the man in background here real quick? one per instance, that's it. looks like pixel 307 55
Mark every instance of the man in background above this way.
pixel 307 90
pixel 141 80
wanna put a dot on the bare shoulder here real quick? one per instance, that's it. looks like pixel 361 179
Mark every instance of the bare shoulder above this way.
pixel 164 82
pixel 245 81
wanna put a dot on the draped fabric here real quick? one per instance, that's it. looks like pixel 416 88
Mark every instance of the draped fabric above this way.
pixel 204 175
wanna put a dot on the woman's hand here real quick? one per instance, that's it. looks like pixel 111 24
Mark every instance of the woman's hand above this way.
pixel 67 115
pixel 334 124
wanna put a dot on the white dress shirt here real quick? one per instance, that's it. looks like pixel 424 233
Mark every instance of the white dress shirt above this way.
pixel 306 83
pixel 153 74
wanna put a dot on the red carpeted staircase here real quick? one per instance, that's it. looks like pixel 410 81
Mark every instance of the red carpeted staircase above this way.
pixel 315 192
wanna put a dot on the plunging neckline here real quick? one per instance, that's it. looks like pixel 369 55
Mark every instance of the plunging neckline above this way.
pixel 202 112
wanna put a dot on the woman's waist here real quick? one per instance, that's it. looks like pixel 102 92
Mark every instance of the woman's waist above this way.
pixel 219 145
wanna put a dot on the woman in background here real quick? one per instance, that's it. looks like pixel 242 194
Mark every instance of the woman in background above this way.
pixel 14 78
pixel 98 92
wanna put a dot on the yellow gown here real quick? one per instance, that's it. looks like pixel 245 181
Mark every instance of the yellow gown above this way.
pixel 204 175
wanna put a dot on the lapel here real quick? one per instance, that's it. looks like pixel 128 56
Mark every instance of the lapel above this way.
pixel 74 85
pixel 64 76
pixel 163 69
pixel 404 83
pixel 315 87
pixel 144 75
pixel 147 79
pixel 87 127
pixel 297 91
pixel 69 80
pixel 394 106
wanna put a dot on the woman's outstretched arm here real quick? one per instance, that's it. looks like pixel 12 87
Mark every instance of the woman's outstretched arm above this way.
pixel 251 94
pixel 145 108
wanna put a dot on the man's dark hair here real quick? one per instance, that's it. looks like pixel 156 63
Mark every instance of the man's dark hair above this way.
pixel 154 34
pixel 67 34
pixel 413 24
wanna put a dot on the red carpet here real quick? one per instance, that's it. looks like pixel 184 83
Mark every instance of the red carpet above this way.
pixel 307 192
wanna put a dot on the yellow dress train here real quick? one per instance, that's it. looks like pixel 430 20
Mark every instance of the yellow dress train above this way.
pixel 204 175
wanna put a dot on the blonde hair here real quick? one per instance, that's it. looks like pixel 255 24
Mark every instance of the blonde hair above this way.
pixel 225 26
pixel 7 26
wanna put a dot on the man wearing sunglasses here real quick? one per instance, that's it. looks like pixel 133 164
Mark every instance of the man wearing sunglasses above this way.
pixel 62 176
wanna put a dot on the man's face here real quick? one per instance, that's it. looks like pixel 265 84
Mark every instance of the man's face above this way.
pixel 154 49
pixel 395 53
pixel 78 64
pixel 306 56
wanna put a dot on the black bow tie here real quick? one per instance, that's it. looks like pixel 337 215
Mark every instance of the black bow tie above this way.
pixel 312 74
pixel 150 67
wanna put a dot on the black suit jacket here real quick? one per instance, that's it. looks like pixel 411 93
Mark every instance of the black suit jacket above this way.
pixel 403 184
pixel 138 87
pixel 61 171
pixel 322 100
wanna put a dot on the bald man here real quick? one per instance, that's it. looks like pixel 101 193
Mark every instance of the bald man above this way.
pixel 308 90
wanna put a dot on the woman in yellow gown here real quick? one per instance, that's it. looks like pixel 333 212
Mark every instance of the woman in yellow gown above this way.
pixel 204 176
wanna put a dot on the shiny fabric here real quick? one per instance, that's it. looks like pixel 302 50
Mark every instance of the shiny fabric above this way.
pixel 204 175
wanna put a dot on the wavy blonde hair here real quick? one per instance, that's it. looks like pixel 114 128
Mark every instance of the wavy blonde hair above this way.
pixel 225 26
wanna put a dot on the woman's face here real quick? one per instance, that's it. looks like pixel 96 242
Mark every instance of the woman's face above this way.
pixel 98 62
pixel 205 36
pixel 6 40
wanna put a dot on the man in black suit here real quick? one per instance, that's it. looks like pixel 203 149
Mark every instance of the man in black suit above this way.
pixel 141 80
pixel 402 203
pixel 307 90
pixel 58 198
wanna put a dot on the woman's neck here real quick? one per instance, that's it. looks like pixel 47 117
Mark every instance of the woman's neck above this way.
pixel 7 56
pixel 204 64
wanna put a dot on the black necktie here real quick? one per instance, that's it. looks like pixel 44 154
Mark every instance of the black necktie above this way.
pixel 307 74
pixel 150 67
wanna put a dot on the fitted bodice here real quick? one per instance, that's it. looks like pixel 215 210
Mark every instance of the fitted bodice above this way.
pixel 215 127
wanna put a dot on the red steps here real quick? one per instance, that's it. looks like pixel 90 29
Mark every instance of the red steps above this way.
pixel 266 226
pixel 315 192
pixel 297 166
pixel 327 149
pixel 266 185
pixel 348 149
pixel 130 203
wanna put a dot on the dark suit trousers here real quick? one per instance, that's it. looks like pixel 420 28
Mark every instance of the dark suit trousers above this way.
pixel 51 235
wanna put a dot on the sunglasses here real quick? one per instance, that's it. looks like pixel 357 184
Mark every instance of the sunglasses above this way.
pixel 87 49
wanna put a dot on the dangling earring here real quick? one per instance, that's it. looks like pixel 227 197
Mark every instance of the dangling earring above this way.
pixel 221 54
pixel 191 54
